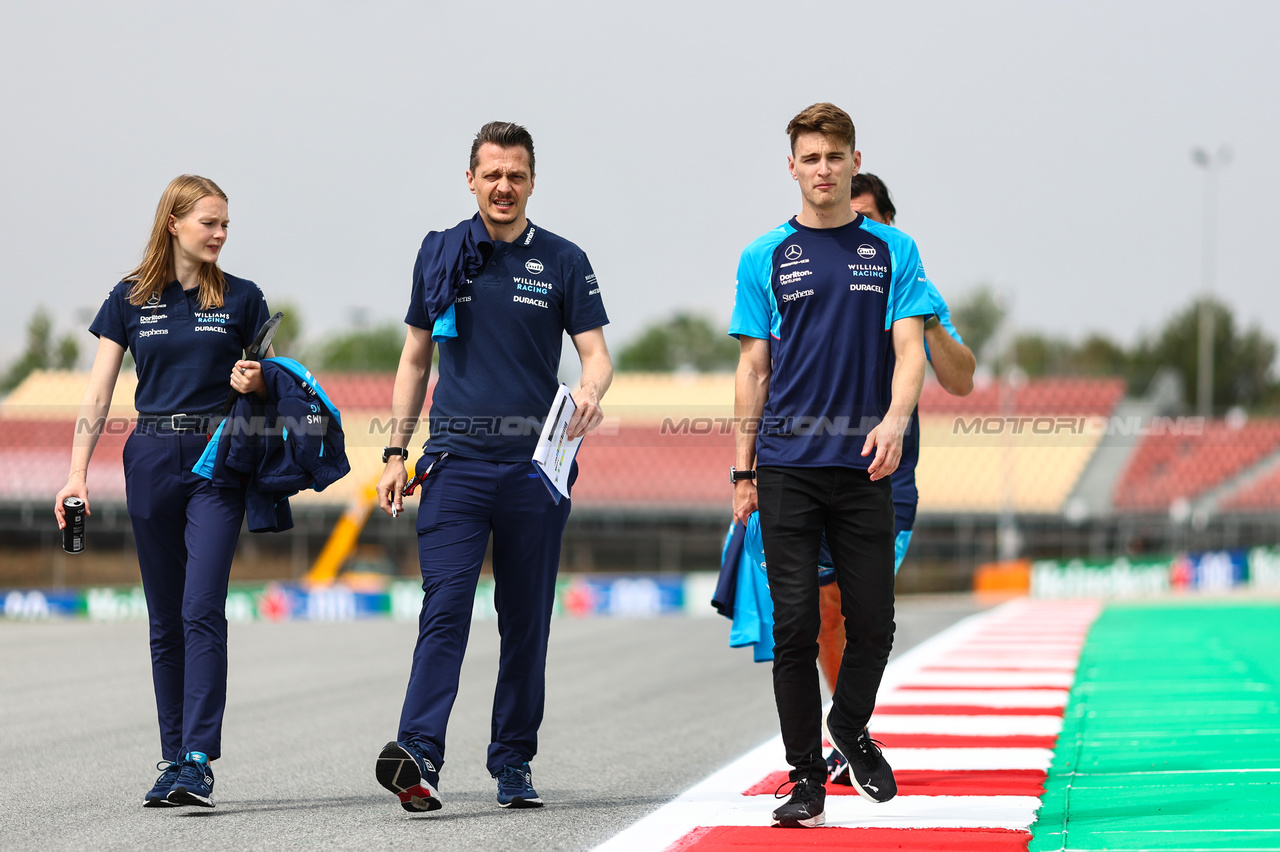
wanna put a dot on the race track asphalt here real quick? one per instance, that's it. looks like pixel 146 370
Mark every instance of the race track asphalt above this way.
pixel 638 710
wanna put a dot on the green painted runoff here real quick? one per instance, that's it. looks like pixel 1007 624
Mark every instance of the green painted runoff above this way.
pixel 1171 739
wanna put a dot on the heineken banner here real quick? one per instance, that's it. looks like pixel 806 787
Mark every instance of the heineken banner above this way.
pixel 1211 571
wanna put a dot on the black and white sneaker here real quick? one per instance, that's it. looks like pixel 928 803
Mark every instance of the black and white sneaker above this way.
pixel 406 770
pixel 805 807
pixel 869 773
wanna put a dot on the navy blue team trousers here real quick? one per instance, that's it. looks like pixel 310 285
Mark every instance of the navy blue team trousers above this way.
pixel 186 532
pixel 462 502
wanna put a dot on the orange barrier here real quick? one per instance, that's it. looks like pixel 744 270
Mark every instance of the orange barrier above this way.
pixel 1012 577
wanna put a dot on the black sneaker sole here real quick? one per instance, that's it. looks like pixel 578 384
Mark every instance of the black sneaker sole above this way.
pixel 398 772
pixel 811 822
pixel 159 802
pixel 521 802
pixel 182 796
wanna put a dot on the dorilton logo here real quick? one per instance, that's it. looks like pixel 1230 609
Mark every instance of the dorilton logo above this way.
pixel 865 250
pixel 793 252
pixel 533 266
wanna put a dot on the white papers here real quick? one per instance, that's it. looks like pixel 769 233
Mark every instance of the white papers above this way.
pixel 553 457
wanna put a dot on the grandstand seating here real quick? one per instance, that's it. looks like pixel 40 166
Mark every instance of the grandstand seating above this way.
pixel 1262 495
pixel 1082 397
pixel 35 456
pixel 360 391
pixel 56 395
pixel 963 472
pixel 639 467
pixel 635 462
pixel 1167 467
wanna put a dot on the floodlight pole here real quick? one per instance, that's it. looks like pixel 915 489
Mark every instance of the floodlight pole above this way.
pixel 1212 165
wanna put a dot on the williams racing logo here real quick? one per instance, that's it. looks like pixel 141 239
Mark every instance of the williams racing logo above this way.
pixel 215 322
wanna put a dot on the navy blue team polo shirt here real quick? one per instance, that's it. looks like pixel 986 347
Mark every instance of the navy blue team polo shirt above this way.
pixel 826 299
pixel 498 376
pixel 184 355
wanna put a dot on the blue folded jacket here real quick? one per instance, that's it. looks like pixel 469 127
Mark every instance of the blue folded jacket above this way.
pixel 289 442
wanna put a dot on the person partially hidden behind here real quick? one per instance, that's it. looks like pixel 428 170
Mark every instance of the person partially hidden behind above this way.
pixel 953 364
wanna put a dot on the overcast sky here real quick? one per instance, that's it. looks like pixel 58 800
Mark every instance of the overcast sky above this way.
pixel 1043 147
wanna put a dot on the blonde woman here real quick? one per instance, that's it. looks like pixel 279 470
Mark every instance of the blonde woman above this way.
pixel 187 324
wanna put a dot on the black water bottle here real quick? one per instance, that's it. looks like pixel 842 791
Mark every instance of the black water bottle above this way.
pixel 73 532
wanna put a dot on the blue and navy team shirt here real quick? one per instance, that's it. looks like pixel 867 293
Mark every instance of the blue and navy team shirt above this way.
pixel 826 299
pixel 184 355
pixel 498 375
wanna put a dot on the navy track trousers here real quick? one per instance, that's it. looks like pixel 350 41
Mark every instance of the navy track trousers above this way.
pixel 462 501
pixel 186 532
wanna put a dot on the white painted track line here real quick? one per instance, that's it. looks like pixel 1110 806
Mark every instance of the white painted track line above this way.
pixel 1002 680
pixel 969 726
pixel 955 759
pixel 1038 698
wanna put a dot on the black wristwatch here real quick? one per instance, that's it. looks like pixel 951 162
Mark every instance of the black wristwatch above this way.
pixel 736 476
pixel 388 452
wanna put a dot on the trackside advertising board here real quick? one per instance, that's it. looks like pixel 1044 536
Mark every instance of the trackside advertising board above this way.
pixel 1212 571
pixel 576 596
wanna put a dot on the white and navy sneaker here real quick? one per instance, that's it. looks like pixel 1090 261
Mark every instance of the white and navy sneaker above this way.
pixel 157 796
pixel 405 769
pixel 195 781
pixel 805 808
pixel 838 769
pixel 515 787
pixel 869 773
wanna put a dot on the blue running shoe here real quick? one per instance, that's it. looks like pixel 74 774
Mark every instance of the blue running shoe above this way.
pixel 195 781
pixel 515 787
pixel 157 796
pixel 406 770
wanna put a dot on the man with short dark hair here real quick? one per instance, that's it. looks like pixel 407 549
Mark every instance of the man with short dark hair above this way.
pixel 829 313
pixel 497 293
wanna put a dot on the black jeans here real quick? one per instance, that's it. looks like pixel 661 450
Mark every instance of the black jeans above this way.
pixel 796 505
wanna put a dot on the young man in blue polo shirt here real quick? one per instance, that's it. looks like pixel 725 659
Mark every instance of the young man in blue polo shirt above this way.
pixel 497 293
pixel 829 312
